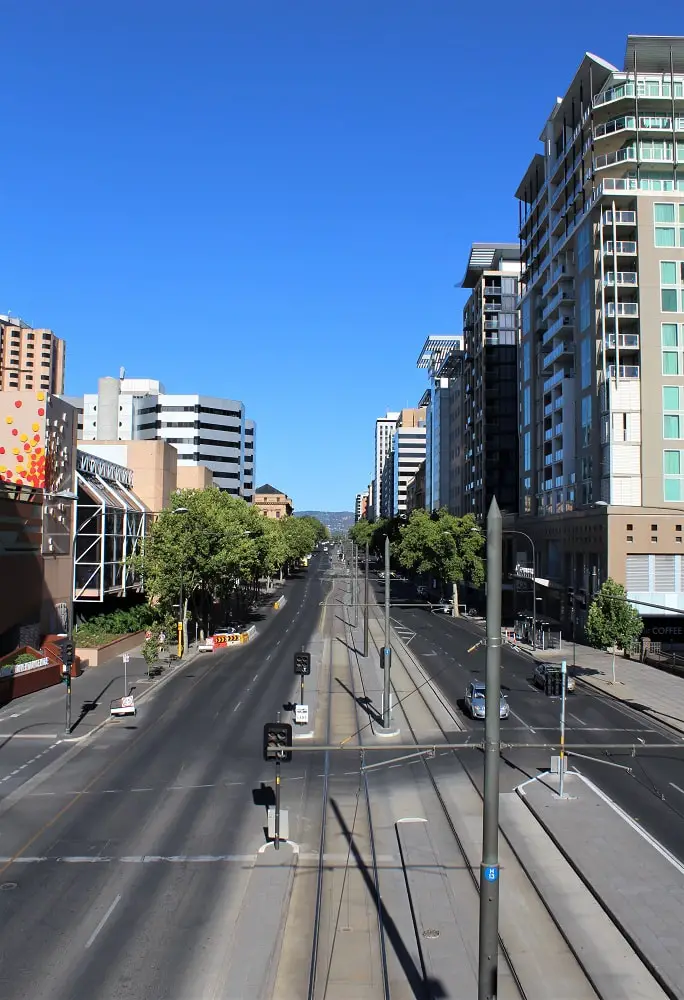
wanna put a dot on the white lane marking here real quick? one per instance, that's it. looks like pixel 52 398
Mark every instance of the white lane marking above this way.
pixel 237 706
pixel 142 789
pixel 255 677
pixel 103 921
pixel 516 716
pixel 576 718
pixel 672 785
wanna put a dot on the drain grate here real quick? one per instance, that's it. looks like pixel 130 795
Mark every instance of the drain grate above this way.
pixel 431 933
pixel 6 886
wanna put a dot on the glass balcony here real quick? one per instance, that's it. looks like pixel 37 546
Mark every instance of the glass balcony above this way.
pixel 626 341
pixel 556 379
pixel 556 327
pixel 628 154
pixel 621 218
pixel 558 456
pixel 615 125
pixel 617 184
pixel 548 460
pixel 563 295
pixel 628 310
pixel 555 354
pixel 628 247
pixel 614 94
pixel 548 409
pixel 611 278
pixel 548 435
pixel 557 430
pixel 625 371
pixel 558 403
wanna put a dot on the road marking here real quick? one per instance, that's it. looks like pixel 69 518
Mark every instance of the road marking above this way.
pixel 525 724
pixel 255 677
pixel 237 706
pixel 103 922
pixel 142 789
pixel 672 785
pixel 576 719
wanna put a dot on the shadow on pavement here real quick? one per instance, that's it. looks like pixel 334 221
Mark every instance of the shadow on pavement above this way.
pixel 422 987
pixel 365 703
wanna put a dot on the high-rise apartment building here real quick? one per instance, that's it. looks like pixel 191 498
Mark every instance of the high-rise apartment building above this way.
pixel 442 356
pixel 490 379
pixel 384 436
pixel 204 430
pixel 408 454
pixel 602 329
pixel 30 358
pixel 360 506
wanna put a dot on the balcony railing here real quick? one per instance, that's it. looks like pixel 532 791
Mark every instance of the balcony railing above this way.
pixel 612 278
pixel 628 247
pixel 558 403
pixel 626 341
pixel 555 354
pixel 548 435
pixel 628 154
pixel 625 218
pixel 629 310
pixel 556 327
pixel 564 295
pixel 556 379
pixel 614 94
pixel 625 371
pixel 548 409
pixel 548 459
pixel 656 123
pixel 617 184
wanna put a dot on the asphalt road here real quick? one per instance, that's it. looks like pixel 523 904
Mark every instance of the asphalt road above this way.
pixel 121 873
pixel 653 793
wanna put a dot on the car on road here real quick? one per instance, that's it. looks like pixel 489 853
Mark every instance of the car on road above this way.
pixel 544 667
pixel 475 701
pixel 443 607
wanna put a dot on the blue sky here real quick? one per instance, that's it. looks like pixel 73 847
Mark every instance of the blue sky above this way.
pixel 273 201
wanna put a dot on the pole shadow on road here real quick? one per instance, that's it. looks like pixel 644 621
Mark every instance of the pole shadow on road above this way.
pixel 265 797
pixel 365 703
pixel 422 986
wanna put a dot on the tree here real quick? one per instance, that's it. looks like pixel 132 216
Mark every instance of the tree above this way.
pixel 448 547
pixel 362 533
pixel 612 621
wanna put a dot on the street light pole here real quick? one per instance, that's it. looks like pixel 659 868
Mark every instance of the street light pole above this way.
pixel 180 623
pixel 489 867
pixel 356 585
pixel 387 650
pixel 365 605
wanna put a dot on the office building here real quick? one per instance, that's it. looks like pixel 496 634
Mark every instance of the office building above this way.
pixel 204 430
pixel 384 435
pixel 602 330
pixel 361 506
pixel 442 356
pixel 490 405
pixel 407 455
pixel 272 502
pixel 30 359
pixel 370 508
pixel 415 491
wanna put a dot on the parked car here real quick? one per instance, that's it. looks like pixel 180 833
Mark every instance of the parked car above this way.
pixel 443 607
pixel 475 701
pixel 543 667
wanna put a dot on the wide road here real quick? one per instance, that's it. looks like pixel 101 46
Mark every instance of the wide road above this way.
pixel 652 793
pixel 123 872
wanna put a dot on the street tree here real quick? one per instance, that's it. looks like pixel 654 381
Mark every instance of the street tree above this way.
pixel 612 622
pixel 443 545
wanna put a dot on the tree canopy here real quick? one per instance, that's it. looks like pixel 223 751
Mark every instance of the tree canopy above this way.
pixel 612 621
pixel 446 546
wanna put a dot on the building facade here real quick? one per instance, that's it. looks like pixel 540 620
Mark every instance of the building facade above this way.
pixel 272 502
pixel 415 491
pixel 490 378
pixel 384 437
pixel 442 357
pixel 361 506
pixel 408 454
pixel 30 359
pixel 204 430
pixel 601 363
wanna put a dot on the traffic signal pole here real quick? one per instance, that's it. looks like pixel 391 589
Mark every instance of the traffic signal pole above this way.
pixel 489 867
pixel 387 651
pixel 277 805
pixel 365 605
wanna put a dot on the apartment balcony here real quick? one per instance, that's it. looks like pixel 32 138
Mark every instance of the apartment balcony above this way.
pixel 556 327
pixel 622 218
pixel 492 307
pixel 622 278
pixel 558 403
pixel 626 155
pixel 556 379
pixel 625 310
pixel 623 371
pixel 618 93
pixel 548 460
pixel 560 272
pixel 548 435
pixel 625 341
pixel 619 185
pixel 562 295
pixel 555 354
pixel 647 123
pixel 548 409
pixel 627 247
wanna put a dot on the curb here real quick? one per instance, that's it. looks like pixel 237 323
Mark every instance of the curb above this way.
pixel 649 713
pixel 636 948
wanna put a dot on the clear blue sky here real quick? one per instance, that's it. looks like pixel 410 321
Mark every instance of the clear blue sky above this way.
pixel 272 201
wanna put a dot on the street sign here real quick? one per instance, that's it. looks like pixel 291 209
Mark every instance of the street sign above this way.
pixel 301 715
pixel 302 663
pixel 128 702
pixel 526 572
pixel 277 741
pixel 126 657
pixel 491 873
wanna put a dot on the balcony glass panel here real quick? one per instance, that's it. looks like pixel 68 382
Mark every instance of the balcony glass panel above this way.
pixel 622 246
pixel 614 94
pixel 626 309
pixel 626 371
pixel 621 278
pixel 627 341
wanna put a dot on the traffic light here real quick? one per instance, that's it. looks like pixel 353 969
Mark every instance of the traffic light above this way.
pixel 277 741
pixel 302 663
pixel 69 652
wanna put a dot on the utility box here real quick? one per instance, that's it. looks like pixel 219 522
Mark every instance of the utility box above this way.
pixel 284 824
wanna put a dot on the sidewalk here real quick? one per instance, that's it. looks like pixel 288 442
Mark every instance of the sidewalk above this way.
pixel 631 877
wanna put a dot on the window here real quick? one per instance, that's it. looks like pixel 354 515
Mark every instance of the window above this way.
pixel 665 236
pixel 586 421
pixel 673 417
pixel 672 476
pixel 526 406
pixel 526 361
pixel 671 285
pixel 585 363
pixel 665 217
pixel 584 303
pixel 527 451
pixel 664 212
pixel 672 341
pixel 654 527
pixel 584 246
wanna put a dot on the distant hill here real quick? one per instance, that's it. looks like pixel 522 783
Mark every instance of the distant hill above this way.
pixel 336 521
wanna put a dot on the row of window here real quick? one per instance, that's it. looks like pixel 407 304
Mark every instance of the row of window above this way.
pixel 672 286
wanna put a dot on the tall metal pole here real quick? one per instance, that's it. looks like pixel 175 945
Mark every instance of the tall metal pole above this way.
pixel 489 868
pixel 277 806
pixel 67 724
pixel 356 586
pixel 387 650
pixel 534 598
pixel 564 682
pixel 365 604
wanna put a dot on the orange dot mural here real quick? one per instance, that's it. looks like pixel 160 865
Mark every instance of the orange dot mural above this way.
pixel 17 403
pixel 14 432
pixel 9 420
pixel 40 396
pixel 41 412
